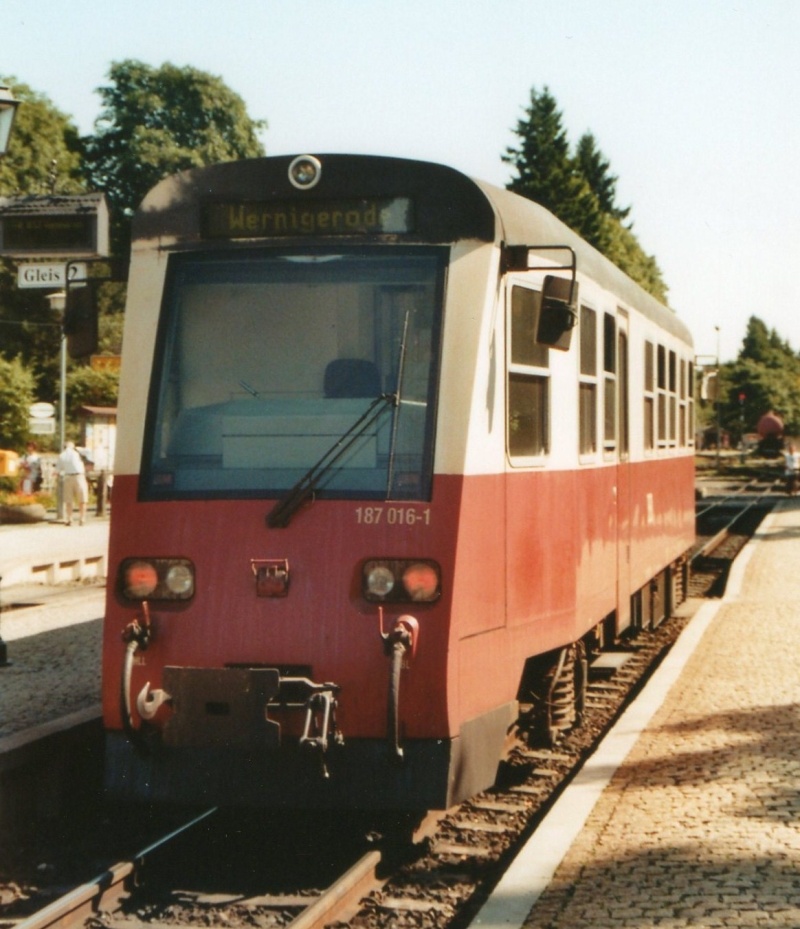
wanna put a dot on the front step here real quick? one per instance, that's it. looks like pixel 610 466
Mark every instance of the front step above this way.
pixel 608 664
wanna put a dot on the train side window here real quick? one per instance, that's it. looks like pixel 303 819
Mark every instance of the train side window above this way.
pixel 661 383
pixel 673 398
pixel 609 383
pixel 587 391
pixel 528 378
pixel 622 391
pixel 690 402
pixel 649 397
pixel 525 350
pixel 682 409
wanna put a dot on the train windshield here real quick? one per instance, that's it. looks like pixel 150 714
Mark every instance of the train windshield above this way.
pixel 267 360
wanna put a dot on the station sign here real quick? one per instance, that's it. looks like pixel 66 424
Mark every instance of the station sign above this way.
pixel 48 233
pixel 106 363
pixel 38 275
pixel 54 225
pixel 42 418
pixel 41 410
pixel 42 426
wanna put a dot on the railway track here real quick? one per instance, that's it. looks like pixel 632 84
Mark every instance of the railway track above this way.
pixel 441 877
pixel 104 891
pixel 438 879
pixel 101 901
pixel 432 873
pixel 725 521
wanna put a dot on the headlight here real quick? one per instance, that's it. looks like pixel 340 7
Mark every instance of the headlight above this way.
pixel 140 580
pixel 180 579
pixel 401 580
pixel 156 579
pixel 379 581
pixel 421 581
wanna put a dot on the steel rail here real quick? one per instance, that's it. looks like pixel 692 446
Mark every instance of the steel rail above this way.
pixel 86 900
pixel 723 533
pixel 341 899
pixel 750 485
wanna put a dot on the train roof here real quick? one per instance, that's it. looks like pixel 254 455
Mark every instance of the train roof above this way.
pixel 525 222
pixel 448 205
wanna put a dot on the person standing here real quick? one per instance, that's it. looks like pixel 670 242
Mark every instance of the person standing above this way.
pixel 791 469
pixel 76 490
pixel 31 470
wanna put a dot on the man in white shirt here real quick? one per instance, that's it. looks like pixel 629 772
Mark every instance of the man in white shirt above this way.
pixel 76 490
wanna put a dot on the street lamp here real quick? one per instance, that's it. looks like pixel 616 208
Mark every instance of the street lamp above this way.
pixel 8 107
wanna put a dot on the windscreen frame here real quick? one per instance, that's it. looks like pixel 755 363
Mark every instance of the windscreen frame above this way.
pixel 148 490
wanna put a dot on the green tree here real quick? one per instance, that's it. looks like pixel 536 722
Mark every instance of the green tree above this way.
pixel 16 396
pixel 580 189
pixel 43 157
pixel 111 304
pixel 764 377
pixel 155 122
pixel 44 152
pixel 765 346
pixel 547 173
pixel 596 169
pixel 87 387
pixel 623 248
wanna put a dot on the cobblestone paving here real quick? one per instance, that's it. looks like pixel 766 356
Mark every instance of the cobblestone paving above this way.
pixel 51 675
pixel 701 824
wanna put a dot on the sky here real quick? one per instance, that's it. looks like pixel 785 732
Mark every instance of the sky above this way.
pixel 693 102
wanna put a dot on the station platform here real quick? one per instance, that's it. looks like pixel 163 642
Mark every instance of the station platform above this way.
pixel 51 607
pixel 689 815
pixel 50 552
pixel 50 647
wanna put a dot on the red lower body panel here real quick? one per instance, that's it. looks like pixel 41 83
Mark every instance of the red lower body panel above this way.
pixel 530 561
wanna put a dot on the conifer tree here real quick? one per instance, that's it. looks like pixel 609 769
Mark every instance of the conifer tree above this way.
pixel 764 377
pixel 547 173
pixel 595 167
pixel 579 189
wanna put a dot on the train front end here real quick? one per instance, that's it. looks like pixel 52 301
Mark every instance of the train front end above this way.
pixel 277 626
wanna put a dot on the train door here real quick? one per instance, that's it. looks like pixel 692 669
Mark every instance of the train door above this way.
pixel 621 413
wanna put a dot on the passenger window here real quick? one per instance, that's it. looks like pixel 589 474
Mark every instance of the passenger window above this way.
pixel 587 391
pixel 661 374
pixel 649 397
pixel 528 378
pixel 610 383
pixel 622 392
pixel 673 399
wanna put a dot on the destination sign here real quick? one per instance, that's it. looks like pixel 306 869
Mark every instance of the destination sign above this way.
pixel 54 225
pixel 316 217
pixel 43 233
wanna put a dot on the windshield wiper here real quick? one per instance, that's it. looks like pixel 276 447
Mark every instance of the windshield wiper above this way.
pixel 401 367
pixel 283 511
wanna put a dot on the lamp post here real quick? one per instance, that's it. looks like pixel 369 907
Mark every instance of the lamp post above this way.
pixel 8 107
pixel 58 303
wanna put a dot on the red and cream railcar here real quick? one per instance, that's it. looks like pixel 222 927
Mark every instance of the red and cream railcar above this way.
pixel 395 447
